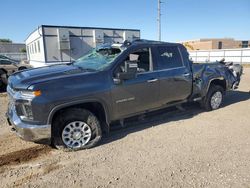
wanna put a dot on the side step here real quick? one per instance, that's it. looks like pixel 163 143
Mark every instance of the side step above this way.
pixel 197 99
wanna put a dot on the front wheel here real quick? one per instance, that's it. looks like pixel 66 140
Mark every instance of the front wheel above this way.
pixel 214 98
pixel 76 129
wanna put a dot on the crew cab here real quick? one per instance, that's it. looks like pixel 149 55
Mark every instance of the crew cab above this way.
pixel 72 105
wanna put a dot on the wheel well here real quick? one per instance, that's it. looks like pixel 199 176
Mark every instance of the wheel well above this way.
pixel 219 82
pixel 94 107
pixel 22 68
pixel 3 71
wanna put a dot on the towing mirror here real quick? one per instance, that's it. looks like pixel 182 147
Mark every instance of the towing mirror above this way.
pixel 130 71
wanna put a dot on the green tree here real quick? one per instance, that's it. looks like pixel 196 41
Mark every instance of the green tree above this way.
pixel 5 40
pixel 23 50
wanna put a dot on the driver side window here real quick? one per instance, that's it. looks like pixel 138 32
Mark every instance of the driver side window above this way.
pixel 141 56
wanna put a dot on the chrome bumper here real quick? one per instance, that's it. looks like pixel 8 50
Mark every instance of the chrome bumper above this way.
pixel 28 132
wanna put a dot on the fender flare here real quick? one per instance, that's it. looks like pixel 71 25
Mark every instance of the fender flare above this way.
pixel 78 102
pixel 211 80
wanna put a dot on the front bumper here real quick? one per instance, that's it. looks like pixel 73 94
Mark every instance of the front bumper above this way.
pixel 28 132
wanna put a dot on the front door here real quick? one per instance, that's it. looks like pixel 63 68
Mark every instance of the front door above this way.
pixel 138 94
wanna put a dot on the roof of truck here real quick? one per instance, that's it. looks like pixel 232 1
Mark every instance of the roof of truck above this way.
pixel 144 41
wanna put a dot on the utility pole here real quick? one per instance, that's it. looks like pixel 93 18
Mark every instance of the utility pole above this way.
pixel 159 19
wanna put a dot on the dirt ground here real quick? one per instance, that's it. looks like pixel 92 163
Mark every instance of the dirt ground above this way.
pixel 174 148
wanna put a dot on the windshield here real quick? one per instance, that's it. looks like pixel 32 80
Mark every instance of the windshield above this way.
pixel 98 59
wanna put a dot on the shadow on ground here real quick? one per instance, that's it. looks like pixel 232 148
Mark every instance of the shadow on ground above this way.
pixel 2 89
pixel 233 97
pixel 168 115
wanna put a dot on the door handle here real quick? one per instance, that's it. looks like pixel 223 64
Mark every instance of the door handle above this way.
pixel 186 74
pixel 152 80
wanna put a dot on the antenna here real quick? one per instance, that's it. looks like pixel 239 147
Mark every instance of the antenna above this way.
pixel 159 19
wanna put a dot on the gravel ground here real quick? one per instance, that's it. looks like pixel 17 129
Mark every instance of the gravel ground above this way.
pixel 171 149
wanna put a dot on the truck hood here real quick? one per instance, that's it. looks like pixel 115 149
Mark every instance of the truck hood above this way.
pixel 26 78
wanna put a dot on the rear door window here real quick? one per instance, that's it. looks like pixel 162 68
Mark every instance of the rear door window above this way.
pixel 169 57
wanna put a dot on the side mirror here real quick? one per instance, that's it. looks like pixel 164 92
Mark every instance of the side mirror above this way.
pixel 130 71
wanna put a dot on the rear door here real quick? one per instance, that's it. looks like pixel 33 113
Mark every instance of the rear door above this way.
pixel 174 74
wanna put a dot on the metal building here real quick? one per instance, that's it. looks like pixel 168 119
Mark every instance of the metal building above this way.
pixel 56 44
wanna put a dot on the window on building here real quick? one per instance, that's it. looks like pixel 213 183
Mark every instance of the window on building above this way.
pixel 35 47
pixel 169 57
pixel 219 45
pixel 38 46
pixel 244 44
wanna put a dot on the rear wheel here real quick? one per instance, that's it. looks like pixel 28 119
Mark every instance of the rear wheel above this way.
pixel 76 129
pixel 214 98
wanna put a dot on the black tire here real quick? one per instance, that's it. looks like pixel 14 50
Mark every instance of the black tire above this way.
pixel 2 86
pixel 3 77
pixel 22 68
pixel 73 115
pixel 207 101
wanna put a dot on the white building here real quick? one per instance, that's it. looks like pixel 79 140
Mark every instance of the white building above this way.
pixel 56 44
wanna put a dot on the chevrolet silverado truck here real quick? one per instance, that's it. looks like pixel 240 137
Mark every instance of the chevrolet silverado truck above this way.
pixel 71 105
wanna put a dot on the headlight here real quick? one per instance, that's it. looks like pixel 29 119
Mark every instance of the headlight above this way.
pixel 30 94
pixel 23 106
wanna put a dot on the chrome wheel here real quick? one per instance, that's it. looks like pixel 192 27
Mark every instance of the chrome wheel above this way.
pixel 76 134
pixel 216 100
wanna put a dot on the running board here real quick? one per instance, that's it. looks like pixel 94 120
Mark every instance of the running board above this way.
pixel 197 99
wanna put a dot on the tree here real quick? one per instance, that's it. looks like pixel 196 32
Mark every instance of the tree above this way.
pixel 5 40
pixel 23 50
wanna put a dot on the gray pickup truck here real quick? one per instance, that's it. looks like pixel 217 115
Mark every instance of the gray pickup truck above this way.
pixel 72 105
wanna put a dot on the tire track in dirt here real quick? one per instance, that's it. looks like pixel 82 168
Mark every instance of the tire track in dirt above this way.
pixel 24 155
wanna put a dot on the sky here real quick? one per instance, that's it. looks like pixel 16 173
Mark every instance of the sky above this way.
pixel 181 19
